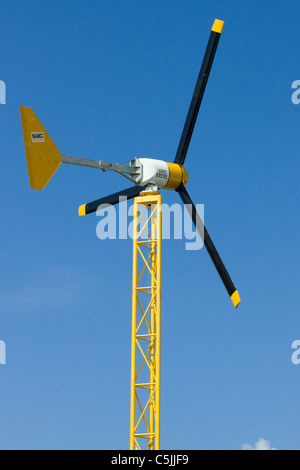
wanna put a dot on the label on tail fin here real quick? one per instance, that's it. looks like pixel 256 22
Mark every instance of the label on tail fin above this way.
pixel 37 137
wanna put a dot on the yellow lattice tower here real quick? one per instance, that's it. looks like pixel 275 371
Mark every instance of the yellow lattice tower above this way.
pixel 146 323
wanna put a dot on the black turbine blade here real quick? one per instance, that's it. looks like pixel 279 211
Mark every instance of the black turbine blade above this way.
pixel 199 92
pixel 209 245
pixel 113 199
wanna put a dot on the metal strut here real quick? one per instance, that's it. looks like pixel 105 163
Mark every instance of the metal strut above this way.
pixel 146 323
pixel 100 164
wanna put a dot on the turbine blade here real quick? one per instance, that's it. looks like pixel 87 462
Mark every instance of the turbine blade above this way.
pixel 113 199
pixel 199 92
pixel 209 245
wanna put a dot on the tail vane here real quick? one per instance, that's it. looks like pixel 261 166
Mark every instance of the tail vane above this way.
pixel 43 157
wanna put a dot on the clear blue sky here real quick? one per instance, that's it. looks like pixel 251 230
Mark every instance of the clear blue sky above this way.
pixel 113 80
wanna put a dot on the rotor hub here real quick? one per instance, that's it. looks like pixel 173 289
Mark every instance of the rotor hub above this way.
pixel 178 175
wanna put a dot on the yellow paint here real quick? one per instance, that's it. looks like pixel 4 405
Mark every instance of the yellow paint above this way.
pixel 43 157
pixel 185 176
pixel 235 298
pixel 218 26
pixel 81 210
pixel 177 176
pixel 149 193
pixel 146 325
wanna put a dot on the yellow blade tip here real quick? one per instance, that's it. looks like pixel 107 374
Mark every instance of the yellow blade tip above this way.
pixel 218 26
pixel 81 210
pixel 235 299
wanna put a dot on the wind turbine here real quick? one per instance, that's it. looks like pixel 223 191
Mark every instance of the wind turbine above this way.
pixel 148 176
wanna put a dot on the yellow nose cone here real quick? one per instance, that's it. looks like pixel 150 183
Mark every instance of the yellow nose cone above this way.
pixel 178 175
pixel 185 176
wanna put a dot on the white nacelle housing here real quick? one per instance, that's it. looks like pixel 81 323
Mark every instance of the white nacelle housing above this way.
pixel 152 171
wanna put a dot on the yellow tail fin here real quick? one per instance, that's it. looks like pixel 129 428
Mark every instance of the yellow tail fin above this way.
pixel 43 157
